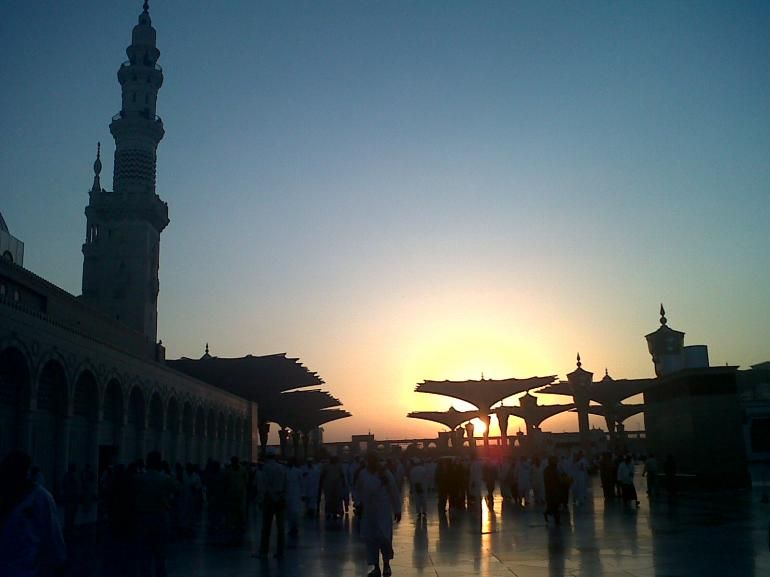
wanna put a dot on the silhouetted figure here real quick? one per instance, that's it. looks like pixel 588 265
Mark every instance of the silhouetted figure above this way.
pixel 552 480
pixel 273 506
pixel 70 497
pixel 626 480
pixel 381 505
pixel 608 475
pixel 154 491
pixel 31 542
pixel 651 472
pixel 490 479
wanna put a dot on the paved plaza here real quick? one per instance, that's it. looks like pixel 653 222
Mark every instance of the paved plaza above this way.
pixel 698 535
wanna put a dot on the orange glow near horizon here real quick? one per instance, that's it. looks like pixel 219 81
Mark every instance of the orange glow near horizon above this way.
pixel 478 427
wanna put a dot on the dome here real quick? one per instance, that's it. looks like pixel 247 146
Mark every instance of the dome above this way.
pixel 3 226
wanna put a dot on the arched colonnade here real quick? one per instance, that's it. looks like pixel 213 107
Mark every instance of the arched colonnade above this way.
pixel 63 410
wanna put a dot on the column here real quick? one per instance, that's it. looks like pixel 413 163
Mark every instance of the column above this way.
pixel 62 449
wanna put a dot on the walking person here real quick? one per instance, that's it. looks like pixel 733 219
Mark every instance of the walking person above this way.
pixel 552 482
pixel 274 505
pixel 31 542
pixel 418 479
pixel 381 502
pixel 626 480
pixel 651 472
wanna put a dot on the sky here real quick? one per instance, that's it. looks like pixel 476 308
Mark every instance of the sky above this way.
pixel 407 190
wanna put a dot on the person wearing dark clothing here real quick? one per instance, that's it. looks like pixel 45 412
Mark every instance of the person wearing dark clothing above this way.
pixel 553 490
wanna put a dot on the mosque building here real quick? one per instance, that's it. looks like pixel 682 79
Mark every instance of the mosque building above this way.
pixel 83 380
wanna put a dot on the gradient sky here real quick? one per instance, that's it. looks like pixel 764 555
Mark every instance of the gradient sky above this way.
pixel 407 190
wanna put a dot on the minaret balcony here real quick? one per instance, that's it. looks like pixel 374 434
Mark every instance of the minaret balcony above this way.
pixel 139 114
pixel 128 63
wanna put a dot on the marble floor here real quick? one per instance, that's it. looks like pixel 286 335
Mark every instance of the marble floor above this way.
pixel 698 535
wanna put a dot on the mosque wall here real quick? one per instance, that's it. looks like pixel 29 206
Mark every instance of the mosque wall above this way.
pixel 67 397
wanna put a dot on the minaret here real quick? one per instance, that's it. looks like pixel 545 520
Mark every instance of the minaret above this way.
pixel 666 347
pixel 120 255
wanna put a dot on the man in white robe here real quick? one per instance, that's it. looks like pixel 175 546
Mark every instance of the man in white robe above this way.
pixel 381 504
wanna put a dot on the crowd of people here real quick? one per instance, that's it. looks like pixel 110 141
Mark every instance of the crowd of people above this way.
pixel 150 502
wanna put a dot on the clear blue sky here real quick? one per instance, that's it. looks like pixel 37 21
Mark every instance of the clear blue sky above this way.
pixel 402 190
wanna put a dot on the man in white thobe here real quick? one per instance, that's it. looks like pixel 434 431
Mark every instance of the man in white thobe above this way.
pixel 381 504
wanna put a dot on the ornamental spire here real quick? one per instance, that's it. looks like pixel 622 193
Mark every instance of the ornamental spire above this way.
pixel 97 186
pixel 579 364
pixel 663 319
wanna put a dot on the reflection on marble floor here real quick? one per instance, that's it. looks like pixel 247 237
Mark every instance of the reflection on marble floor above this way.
pixel 724 535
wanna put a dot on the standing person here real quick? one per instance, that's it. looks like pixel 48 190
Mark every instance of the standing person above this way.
pixel 381 505
pixel 418 479
pixel 538 489
pixel 524 481
pixel 311 489
pixel 475 481
pixel 626 480
pixel 274 505
pixel 154 490
pixel 88 489
pixel 608 475
pixel 332 484
pixel 651 472
pixel 552 482
pixel 70 497
pixel 31 542
pixel 490 479
pixel 234 484
pixel 293 497
pixel 443 483
pixel 580 480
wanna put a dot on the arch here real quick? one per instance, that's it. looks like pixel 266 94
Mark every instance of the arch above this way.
pixel 200 422
pixel 173 417
pixel 85 396
pixel 136 407
pixel 44 364
pixel 155 423
pixel 112 405
pixel 155 415
pixel 14 379
pixel 52 388
pixel 50 442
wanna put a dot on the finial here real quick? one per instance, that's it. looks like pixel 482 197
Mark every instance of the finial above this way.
pixel 482 375
pixel 97 186
pixel 663 319
pixel 207 345
pixel 606 372
pixel 146 6
pixel 579 364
